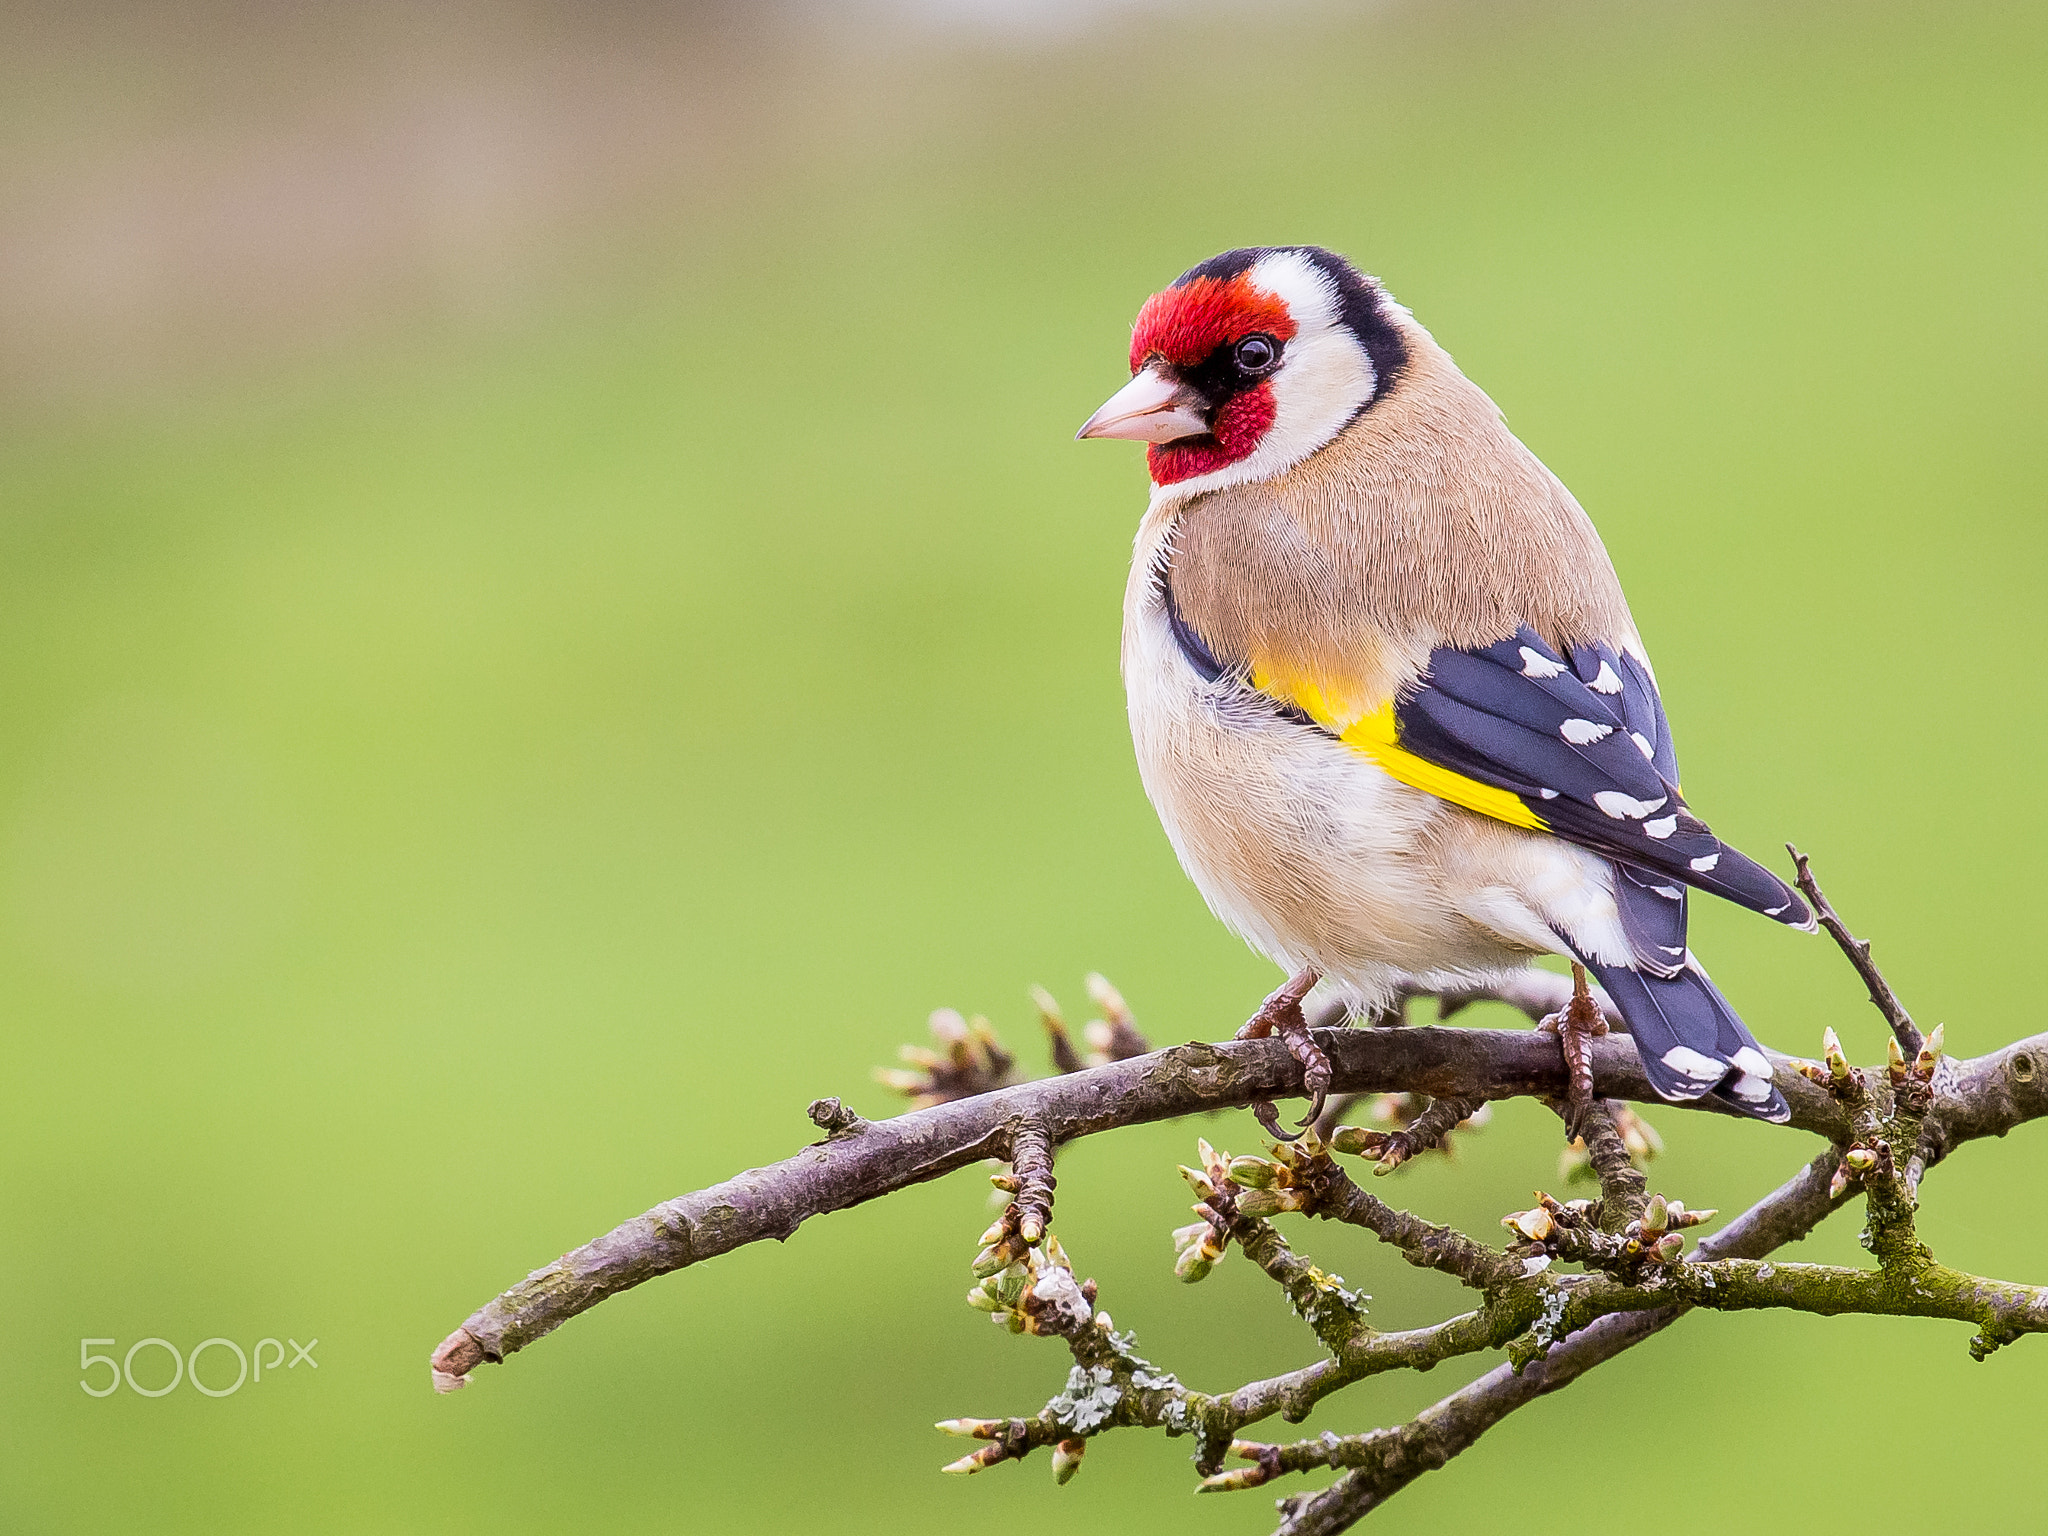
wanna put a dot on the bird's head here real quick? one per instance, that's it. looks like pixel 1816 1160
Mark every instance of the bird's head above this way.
pixel 1250 362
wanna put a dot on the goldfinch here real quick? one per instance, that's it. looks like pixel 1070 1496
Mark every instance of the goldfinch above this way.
pixel 1386 693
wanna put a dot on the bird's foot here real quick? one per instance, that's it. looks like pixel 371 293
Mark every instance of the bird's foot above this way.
pixel 1280 1014
pixel 1575 1025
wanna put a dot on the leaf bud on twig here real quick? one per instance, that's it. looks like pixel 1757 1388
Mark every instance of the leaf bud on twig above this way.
pixel 1357 1141
pixel 1257 1204
pixel 1198 1182
pixel 1232 1481
pixel 1656 1215
pixel 1831 1049
pixel 1253 1172
pixel 1638 1135
pixel 976 1461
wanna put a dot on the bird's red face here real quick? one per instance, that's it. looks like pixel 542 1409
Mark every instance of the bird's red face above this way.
pixel 1252 357
pixel 1221 339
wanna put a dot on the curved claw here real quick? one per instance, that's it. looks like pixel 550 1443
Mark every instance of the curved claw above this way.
pixel 1281 1015
pixel 1316 1071
pixel 1315 1107
pixel 1268 1115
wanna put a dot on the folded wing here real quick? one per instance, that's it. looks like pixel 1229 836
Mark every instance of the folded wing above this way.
pixel 1581 743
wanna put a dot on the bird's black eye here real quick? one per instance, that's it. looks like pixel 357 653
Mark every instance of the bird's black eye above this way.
pixel 1255 354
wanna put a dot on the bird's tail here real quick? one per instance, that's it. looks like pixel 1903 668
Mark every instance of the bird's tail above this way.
pixel 1690 1040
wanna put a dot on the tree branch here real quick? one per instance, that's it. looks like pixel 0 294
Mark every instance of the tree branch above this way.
pixel 1571 1322
pixel 1455 1423
pixel 876 1158
pixel 1986 1097
pixel 1528 1310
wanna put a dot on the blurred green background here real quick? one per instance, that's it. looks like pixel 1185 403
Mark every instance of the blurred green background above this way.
pixel 551 614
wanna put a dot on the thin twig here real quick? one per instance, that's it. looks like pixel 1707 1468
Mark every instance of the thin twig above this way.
pixel 1882 997
pixel 1031 1162
pixel 1623 1189
pixel 1426 1132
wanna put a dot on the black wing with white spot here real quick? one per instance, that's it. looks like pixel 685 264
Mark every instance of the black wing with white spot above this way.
pixel 1584 744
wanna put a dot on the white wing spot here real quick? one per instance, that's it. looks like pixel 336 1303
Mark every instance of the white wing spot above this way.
pixel 1618 805
pixel 1606 680
pixel 1704 864
pixel 1643 745
pixel 1662 827
pixel 1687 1062
pixel 1536 664
pixel 1668 892
pixel 1753 1061
pixel 1583 733
pixel 1751 1090
pixel 1551 794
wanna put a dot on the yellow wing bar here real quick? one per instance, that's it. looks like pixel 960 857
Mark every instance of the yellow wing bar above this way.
pixel 1373 735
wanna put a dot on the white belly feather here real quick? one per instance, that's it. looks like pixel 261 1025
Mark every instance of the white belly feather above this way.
pixel 1312 853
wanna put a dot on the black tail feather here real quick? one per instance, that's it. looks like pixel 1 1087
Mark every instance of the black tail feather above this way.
pixel 1690 1041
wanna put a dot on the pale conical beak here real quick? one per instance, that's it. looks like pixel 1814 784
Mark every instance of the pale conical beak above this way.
pixel 1150 409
